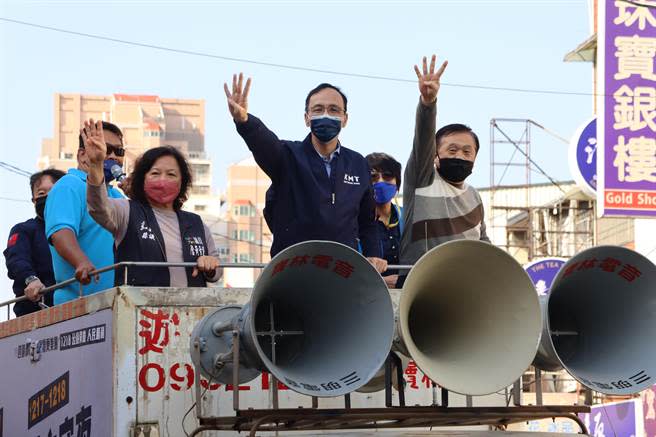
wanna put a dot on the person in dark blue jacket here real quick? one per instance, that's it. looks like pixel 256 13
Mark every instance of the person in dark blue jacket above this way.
pixel 322 189
pixel 386 181
pixel 27 254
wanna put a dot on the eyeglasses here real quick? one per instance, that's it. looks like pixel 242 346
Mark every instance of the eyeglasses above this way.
pixel 386 175
pixel 331 109
pixel 117 150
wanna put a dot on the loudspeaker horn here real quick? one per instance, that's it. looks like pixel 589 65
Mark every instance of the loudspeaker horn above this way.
pixel 601 320
pixel 320 319
pixel 469 317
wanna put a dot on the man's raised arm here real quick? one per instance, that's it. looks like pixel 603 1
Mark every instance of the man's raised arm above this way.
pixel 264 144
pixel 420 168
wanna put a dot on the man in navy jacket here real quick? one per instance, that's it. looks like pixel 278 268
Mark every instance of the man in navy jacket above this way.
pixel 27 254
pixel 322 189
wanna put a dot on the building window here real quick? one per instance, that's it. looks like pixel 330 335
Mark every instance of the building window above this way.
pixel 200 189
pixel 224 251
pixel 235 235
pixel 68 156
pixel 246 235
pixel 244 210
pixel 201 170
pixel 235 258
pixel 245 258
pixel 199 207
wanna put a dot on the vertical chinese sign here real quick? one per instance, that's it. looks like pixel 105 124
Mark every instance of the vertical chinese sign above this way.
pixel 626 129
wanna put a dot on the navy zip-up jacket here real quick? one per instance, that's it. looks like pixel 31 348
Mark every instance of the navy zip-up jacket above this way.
pixel 27 254
pixel 310 205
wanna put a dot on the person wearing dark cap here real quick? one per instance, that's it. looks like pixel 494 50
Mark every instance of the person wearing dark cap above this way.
pixel 27 254
pixel 386 182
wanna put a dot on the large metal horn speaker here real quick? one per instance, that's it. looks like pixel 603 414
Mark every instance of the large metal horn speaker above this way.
pixel 320 319
pixel 601 320
pixel 469 317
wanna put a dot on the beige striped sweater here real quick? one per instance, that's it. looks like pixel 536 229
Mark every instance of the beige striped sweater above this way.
pixel 434 211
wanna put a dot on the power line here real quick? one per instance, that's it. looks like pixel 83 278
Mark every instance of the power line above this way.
pixel 14 169
pixel 550 132
pixel 254 243
pixel 650 252
pixel 535 164
pixel 289 67
pixel 11 199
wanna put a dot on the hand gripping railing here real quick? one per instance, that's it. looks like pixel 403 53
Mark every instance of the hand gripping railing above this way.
pixel 128 264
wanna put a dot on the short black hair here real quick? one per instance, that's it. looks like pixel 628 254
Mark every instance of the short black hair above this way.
pixel 52 172
pixel 453 129
pixel 385 163
pixel 106 126
pixel 143 165
pixel 323 86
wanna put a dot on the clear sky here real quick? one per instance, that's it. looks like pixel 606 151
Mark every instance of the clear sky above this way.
pixel 517 44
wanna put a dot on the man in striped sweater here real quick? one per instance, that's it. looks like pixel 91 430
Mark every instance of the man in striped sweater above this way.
pixel 438 205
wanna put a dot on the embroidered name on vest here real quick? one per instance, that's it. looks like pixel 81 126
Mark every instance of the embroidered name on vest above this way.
pixel 145 232
pixel 196 246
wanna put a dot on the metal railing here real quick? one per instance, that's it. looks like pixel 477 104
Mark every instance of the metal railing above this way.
pixel 128 264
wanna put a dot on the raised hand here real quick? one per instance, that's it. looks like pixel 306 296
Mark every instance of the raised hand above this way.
pixel 238 99
pixel 94 141
pixel 429 80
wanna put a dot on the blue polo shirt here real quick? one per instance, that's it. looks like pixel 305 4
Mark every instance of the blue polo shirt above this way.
pixel 66 208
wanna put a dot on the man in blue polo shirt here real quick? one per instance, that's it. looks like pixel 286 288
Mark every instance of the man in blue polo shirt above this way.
pixel 77 243
pixel 322 189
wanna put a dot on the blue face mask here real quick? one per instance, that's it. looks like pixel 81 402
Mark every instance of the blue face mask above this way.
pixel 325 127
pixel 107 169
pixel 384 192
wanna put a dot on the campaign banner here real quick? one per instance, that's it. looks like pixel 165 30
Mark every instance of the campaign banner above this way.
pixel 57 380
pixel 626 103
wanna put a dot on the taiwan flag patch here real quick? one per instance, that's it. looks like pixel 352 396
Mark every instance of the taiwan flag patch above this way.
pixel 13 238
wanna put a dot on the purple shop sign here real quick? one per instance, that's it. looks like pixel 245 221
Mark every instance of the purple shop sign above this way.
pixel 543 272
pixel 583 157
pixel 618 419
pixel 626 102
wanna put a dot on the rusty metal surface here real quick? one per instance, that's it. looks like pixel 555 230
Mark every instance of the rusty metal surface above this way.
pixel 267 420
